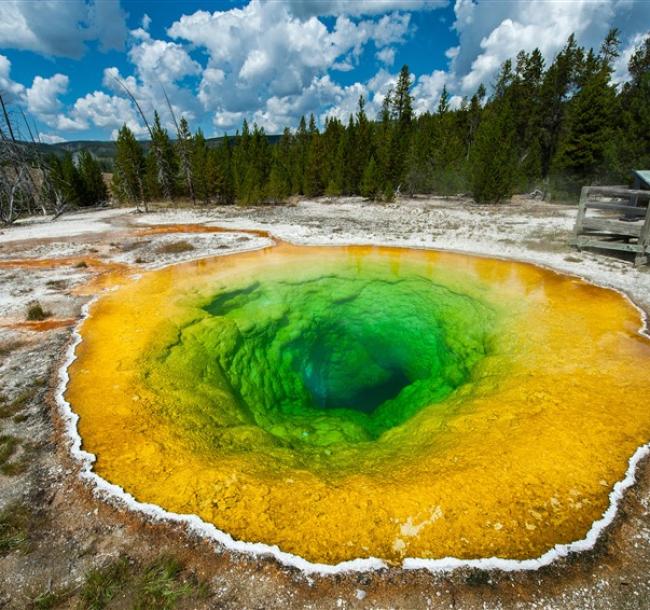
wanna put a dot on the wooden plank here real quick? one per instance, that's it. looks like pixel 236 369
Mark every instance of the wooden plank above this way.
pixel 612 226
pixel 615 191
pixel 596 205
pixel 587 242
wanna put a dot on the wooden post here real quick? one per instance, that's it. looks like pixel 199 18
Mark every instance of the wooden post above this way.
pixel 644 241
pixel 582 210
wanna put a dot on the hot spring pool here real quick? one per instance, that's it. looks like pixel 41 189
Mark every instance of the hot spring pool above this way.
pixel 366 402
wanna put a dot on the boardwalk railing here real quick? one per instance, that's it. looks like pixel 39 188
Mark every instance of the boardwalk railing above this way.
pixel 622 221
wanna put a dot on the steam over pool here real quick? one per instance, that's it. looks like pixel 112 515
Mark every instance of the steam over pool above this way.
pixel 355 402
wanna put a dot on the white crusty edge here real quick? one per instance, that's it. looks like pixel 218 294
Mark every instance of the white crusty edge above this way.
pixel 195 525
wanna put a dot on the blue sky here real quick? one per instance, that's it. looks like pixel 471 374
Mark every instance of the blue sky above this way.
pixel 271 61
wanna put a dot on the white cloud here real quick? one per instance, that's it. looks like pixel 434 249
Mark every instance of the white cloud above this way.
pixel 491 32
pixel 50 138
pixel 312 8
pixel 262 51
pixel 159 60
pixel 272 61
pixel 60 28
pixel 9 89
pixel 621 72
pixel 427 90
pixel 102 110
pixel 386 56
pixel 43 96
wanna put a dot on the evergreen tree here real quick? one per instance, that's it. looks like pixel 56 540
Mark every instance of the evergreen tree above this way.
pixel 493 155
pixel 184 147
pixel 279 185
pixel 201 169
pixel 403 115
pixel 633 136
pixel 129 167
pixel 162 164
pixel 313 185
pixel 371 182
pixel 585 146
pixel 222 175
pixel 67 180
pixel 93 185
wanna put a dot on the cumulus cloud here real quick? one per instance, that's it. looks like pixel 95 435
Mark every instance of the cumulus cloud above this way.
pixel 386 56
pixel 427 90
pixel 314 8
pixel 102 110
pixel 59 28
pixel 43 96
pixel 491 32
pixel 263 52
pixel 50 138
pixel 271 62
pixel 9 89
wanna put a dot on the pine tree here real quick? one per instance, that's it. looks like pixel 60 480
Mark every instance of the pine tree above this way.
pixel 585 146
pixel 556 86
pixel 371 183
pixel 403 115
pixel 65 179
pixel 162 165
pixel 93 185
pixel 128 171
pixel 184 147
pixel 279 185
pixel 493 155
pixel 313 184
pixel 201 169
pixel 634 110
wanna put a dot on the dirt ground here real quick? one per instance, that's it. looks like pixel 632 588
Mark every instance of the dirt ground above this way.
pixel 61 546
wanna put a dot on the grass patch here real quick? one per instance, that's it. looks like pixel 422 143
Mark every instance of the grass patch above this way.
pixel 49 599
pixel 102 584
pixel 8 446
pixel 176 247
pixel 9 409
pixel 15 523
pixel 81 265
pixel 159 585
pixel 36 313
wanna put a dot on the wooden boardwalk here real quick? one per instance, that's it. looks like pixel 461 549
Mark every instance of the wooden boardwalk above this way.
pixel 622 220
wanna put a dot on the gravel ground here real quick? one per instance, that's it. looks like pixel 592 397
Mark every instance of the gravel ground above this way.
pixel 54 531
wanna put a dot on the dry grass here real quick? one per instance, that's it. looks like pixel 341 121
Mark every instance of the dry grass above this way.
pixel 36 313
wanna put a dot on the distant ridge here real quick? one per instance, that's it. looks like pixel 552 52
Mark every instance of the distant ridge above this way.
pixel 104 150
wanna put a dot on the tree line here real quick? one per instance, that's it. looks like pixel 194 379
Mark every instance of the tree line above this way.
pixel 549 127
pixel 543 127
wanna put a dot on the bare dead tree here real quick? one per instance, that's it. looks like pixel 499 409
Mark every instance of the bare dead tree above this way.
pixel 18 189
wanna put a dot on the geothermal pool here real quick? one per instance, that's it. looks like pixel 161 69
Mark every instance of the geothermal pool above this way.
pixel 354 402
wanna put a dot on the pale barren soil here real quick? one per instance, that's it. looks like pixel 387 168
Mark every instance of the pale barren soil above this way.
pixel 63 547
